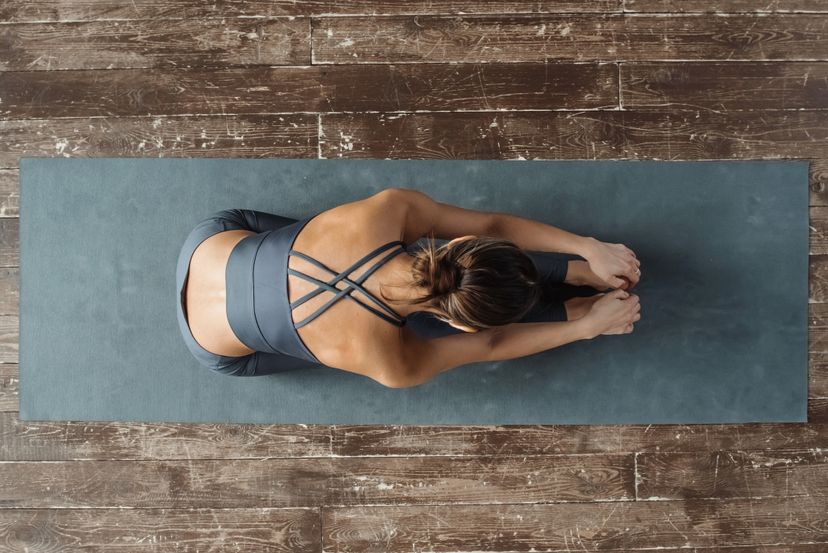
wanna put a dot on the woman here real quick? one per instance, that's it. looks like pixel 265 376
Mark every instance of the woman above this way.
pixel 260 293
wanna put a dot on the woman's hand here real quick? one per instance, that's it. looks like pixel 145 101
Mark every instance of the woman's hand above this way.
pixel 614 313
pixel 614 264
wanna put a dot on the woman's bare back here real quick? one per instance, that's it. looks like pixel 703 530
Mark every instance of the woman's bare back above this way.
pixel 206 297
pixel 344 336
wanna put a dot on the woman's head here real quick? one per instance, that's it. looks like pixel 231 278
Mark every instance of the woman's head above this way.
pixel 477 282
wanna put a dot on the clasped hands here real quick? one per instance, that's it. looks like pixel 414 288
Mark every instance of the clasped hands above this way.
pixel 608 266
pixel 613 265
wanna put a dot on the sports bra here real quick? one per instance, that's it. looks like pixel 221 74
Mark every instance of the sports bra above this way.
pixel 256 278
pixel 392 316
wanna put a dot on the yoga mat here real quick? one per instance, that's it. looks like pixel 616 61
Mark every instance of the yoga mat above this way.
pixel 724 294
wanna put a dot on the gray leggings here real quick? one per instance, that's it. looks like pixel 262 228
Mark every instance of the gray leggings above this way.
pixel 552 265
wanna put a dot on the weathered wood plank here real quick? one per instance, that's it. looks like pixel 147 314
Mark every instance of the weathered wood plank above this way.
pixel 457 135
pixel 817 278
pixel 315 88
pixel 818 410
pixel 572 439
pixel 59 440
pixel 152 530
pixel 580 135
pixel 9 242
pixel 10 290
pixel 818 375
pixel 169 92
pixel 526 38
pixel 724 86
pixel 612 526
pixel 269 482
pixel 818 329
pixel 819 182
pixel 725 6
pixel 250 136
pixel 176 43
pixel 60 10
pixel 818 221
pixel 9 395
pixel 9 193
pixel 729 474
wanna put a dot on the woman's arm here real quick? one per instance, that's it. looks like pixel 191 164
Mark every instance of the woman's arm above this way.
pixel 425 215
pixel 423 359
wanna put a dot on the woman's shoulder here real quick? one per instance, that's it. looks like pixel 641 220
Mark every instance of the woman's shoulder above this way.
pixel 374 219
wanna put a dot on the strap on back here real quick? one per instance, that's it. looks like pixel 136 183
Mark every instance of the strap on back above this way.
pixel 356 284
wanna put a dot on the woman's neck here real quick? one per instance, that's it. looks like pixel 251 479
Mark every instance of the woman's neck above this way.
pixel 396 287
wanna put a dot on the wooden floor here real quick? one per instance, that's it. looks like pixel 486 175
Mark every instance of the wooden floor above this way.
pixel 448 79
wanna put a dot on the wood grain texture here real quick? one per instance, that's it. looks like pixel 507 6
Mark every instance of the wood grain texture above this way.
pixel 428 79
pixel 613 526
pixel 723 87
pixel 437 135
pixel 729 474
pixel 9 195
pixel 352 440
pixel 819 181
pixel 176 43
pixel 818 410
pixel 9 395
pixel 819 230
pixel 534 86
pixel 253 136
pixel 153 530
pixel 291 482
pixel 726 6
pixel 662 134
pixel 85 10
pixel 66 440
pixel 566 37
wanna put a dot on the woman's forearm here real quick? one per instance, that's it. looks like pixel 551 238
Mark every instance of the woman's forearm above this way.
pixel 520 339
pixel 534 235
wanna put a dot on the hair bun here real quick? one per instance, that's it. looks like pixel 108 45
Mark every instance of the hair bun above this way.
pixel 447 277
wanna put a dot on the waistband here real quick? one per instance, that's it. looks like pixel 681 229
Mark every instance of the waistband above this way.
pixel 258 309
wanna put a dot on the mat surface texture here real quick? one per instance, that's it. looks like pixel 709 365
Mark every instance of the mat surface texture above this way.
pixel 724 295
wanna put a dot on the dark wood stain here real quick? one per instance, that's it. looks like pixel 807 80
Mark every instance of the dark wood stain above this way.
pixel 725 86
pixel 725 6
pixel 452 79
pixel 605 37
pixel 62 10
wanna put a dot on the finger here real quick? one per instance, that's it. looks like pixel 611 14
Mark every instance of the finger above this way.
pixel 630 276
pixel 637 317
pixel 633 274
pixel 617 282
pixel 628 329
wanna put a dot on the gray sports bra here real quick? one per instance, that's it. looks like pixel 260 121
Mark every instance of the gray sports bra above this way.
pixel 392 316
pixel 258 306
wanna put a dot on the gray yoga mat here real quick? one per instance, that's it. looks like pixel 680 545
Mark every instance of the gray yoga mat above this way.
pixel 724 293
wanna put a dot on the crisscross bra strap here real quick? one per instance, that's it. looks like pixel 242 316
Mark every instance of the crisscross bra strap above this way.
pixel 352 284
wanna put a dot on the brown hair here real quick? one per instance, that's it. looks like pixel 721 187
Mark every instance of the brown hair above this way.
pixel 478 282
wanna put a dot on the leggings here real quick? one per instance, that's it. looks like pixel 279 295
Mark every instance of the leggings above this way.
pixel 551 265
pixel 256 363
